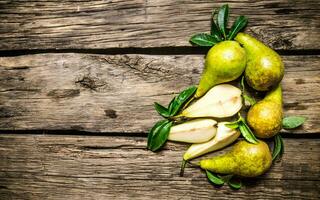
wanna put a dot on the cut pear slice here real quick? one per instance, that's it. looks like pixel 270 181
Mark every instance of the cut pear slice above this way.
pixel 224 137
pixel 220 101
pixel 195 131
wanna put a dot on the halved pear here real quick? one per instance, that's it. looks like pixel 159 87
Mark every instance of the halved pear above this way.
pixel 220 101
pixel 224 137
pixel 195 131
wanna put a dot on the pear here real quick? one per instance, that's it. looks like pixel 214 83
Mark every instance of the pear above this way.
pixel 264 68
pixel 245 159
pixel 220 101
pixel 265 117
pixel 224 137
pixel 224 62
pixel 195 131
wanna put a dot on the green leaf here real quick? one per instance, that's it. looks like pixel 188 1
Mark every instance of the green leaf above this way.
pixel 282 145
pixel 278 147
pixel 247 133
pixel 235 183
pixel 233 125
pixel 247 98
pixel 292 122
pixel 242 84
pixel 164 112
pixel 178 102
pixel 215 31
pixel 154 130
pixel 237 26
pixel 222 19
pixel 226 178
pixel 203 39
pixel 171 105
pixel 214 179
pixel 160 137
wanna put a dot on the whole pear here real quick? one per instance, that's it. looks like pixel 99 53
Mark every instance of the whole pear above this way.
pixel 245 159
pixel 265 117
pixel 224 62
pixel 264 68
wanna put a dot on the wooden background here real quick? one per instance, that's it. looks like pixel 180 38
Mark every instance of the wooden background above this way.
pixel 77 83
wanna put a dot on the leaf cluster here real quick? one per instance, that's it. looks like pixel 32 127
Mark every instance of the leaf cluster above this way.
pixel 233 182
pixel 244 129
pixel 219 28
pixel 159 133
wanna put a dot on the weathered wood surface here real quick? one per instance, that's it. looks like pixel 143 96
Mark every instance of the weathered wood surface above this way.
pixel 100 24
pixel 116 93
pixel 97 167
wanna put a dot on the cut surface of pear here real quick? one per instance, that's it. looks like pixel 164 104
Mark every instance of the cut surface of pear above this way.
pixel 220 101
pixel 195 131
pixel 224 137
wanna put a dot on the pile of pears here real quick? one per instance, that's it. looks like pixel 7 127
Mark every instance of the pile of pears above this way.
pixel 205 116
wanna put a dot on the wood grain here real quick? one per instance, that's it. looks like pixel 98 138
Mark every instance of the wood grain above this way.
pixel 97 24
pixel 96 167
pixel 102 93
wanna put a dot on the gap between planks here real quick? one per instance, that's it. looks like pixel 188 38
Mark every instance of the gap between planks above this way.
pixel 67 133
pixel 186 50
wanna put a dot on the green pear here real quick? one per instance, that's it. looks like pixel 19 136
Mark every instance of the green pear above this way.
pixel 265 68
pixel 224 62
pixel 223 138
pixel 265 117
pixel 194 131
pixel 245 159
pixel 221 101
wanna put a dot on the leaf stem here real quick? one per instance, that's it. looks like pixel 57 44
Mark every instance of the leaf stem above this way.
pixel 188 102
pixel 177 119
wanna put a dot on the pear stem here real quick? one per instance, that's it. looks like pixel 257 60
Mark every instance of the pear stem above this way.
pixel 183 165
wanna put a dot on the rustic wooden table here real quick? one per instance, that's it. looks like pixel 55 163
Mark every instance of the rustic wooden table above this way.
pixel 77 83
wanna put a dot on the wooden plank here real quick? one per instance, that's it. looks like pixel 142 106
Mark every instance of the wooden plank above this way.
pixel 97 167
pixel 97 24
pixel 115 93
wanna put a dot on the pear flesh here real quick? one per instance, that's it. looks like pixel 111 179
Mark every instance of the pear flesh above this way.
pixel 224 62
pixel 224 137
pixel 265 117
pixel 265 68
pixel 245 159
pixel 195 131
pixel 220 101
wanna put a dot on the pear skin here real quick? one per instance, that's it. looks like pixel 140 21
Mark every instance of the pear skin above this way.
pixel 265 117
pixel 245 159
pixel 264 68
pixel 224 62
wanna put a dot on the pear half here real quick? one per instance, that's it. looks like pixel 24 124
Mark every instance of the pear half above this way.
pixel 220 101
pixel 224 137
pixel 195 131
